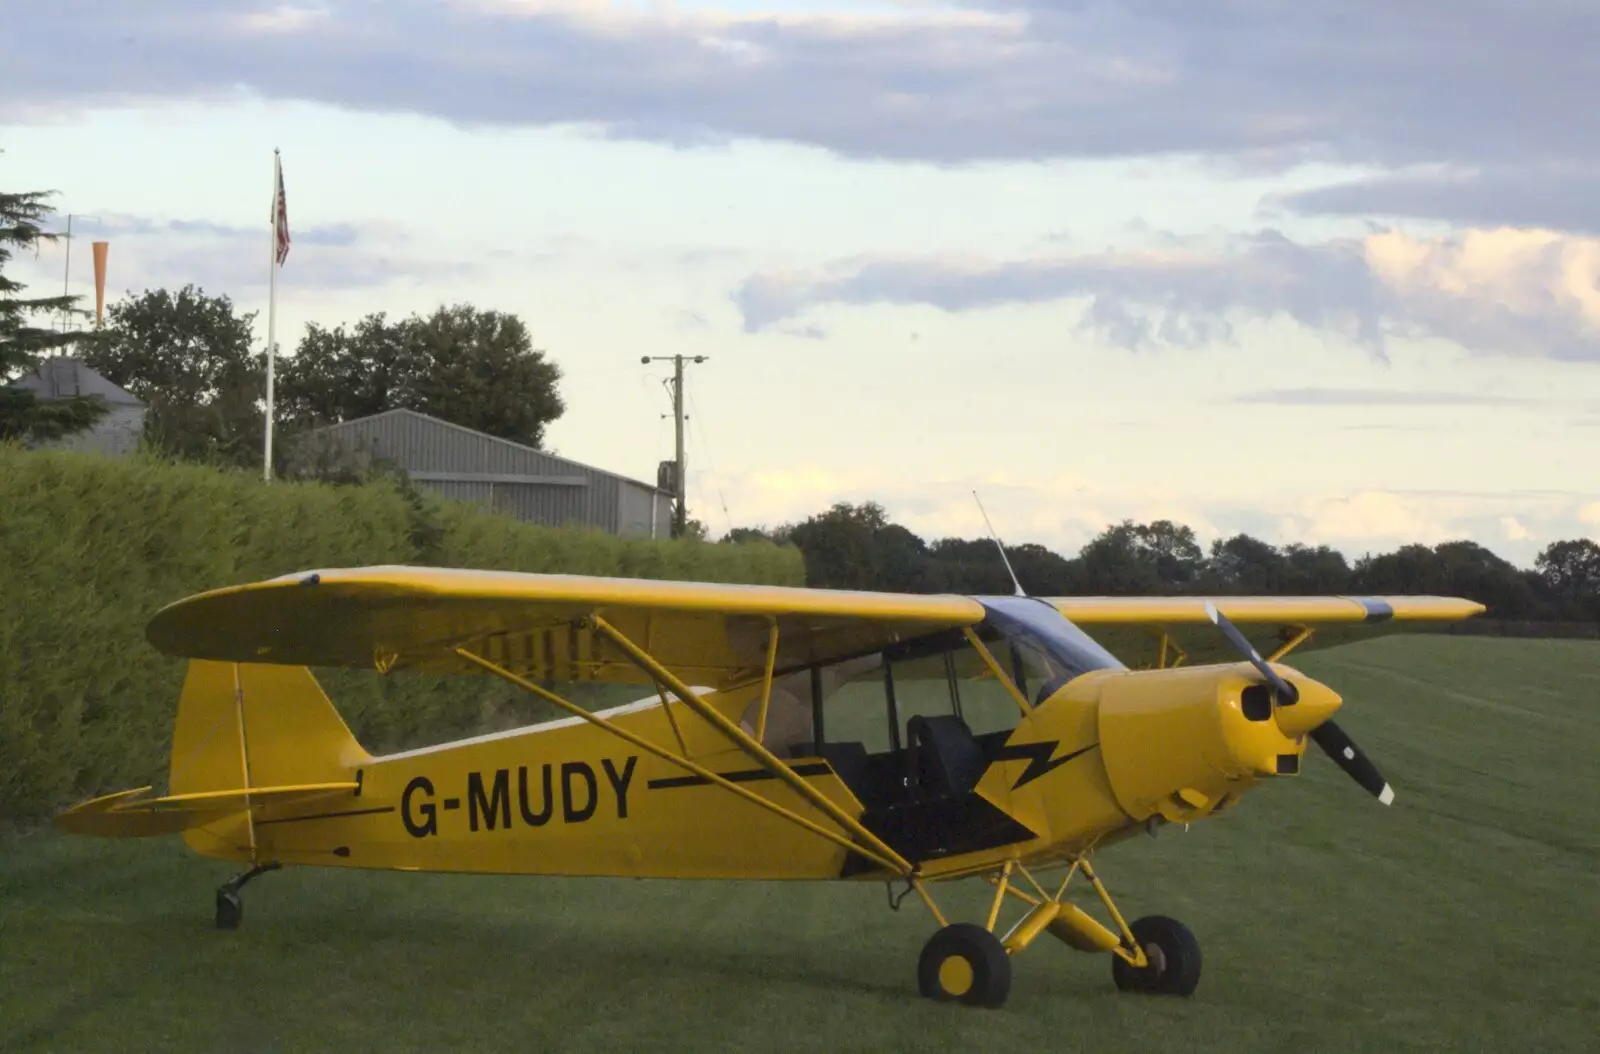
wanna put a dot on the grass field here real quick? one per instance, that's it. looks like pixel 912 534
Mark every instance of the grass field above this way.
pixel 1465 918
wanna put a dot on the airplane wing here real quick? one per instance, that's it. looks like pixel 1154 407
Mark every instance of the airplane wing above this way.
pixel 709 634
pixel 1131 627
pixel 415 617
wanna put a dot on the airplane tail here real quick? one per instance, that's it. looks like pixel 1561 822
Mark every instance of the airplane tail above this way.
pixel 247 736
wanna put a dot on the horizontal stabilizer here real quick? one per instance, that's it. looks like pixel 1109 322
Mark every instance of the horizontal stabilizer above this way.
pixel 126 814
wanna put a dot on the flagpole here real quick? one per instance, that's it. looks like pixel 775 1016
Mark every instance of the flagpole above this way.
pixel 272 309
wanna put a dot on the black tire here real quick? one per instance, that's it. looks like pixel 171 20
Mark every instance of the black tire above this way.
pixel 230 910
pixel 1174 959
pixel 965 963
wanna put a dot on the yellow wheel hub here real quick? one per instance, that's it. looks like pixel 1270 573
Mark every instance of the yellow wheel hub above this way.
pixel 955 975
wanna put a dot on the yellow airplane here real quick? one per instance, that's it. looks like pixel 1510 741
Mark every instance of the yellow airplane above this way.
pixel 793 734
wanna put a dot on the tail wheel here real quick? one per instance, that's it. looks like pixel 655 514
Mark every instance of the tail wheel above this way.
pixel 1174 957
pixel 230 910
pixel 965 963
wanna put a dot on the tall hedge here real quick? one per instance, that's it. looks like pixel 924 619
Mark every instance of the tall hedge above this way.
pixel 91 547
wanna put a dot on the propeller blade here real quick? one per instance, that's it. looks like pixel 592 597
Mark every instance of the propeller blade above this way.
pixel 1285 691
pixel 1343 750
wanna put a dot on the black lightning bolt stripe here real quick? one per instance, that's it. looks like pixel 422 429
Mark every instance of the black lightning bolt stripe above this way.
pixel 327 815
pixel 1038 757
pixel 744 776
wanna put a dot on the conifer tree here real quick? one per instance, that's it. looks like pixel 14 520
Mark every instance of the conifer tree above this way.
pixel 22 343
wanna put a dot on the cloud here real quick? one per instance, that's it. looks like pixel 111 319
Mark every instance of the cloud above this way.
pixel 1062 512
pixel 1589 516
pixel 1375 397
pixel 1529 294
pixel 1065 511
pixel 1515 531
pixel 286 18
pixel 339 234
pixel 149 252
pixel 1371 517
pixel 1379 521
pixel 1362 81
pixel 1553 197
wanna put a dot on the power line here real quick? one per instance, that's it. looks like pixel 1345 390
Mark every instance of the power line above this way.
pixel 701 440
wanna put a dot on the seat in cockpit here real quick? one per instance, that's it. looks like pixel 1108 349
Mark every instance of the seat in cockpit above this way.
pixel 949 759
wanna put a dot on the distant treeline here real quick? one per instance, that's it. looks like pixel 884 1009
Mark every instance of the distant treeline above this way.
pixel 857 547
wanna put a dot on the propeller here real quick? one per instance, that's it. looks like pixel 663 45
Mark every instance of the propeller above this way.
pixel 1338 745
pixel 1286 692
pixel 1333 740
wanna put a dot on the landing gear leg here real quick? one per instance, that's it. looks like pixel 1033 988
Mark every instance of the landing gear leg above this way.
pixel 1173 955
pixel 1157 955
pixel 230 909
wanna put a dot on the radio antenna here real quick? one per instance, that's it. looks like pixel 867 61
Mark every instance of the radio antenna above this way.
pixel 996 538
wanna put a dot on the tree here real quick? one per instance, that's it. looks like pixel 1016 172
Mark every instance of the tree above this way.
pixel 755 534
pixel 337 375
pixel 1043 572
pixel 1116 562
pixel 1571 571
pixel 1459 568
pixel 1171 548
pixel 840 546
pixel 1243 564
pixel 475 368
pixel 1470 570
pixel 901 559
pixel 1314 571
pixel 22 344
pixel 187 355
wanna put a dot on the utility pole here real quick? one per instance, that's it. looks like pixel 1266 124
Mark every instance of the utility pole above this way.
pixel 679 488
pixel 66 275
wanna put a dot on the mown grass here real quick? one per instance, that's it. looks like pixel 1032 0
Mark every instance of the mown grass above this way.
pixel 1465 918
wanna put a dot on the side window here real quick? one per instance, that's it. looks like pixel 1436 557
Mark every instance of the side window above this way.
pixel 856 707
pixel 921 688
pixel 987 705
pixel 857 713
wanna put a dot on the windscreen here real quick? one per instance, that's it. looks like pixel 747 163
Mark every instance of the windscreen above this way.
pixel 1046 649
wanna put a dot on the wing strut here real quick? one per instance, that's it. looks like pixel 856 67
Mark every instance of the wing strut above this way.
pixel 888 859
pixel 1302 634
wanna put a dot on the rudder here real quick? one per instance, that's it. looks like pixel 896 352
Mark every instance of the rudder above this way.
pixel 254 725
pixel 258 725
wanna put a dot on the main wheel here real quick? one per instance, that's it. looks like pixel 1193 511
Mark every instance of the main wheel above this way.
pixel 966 963
pixel 230 910
pixel 1174 957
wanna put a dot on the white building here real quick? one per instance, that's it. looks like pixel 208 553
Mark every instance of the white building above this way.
pixel 117 433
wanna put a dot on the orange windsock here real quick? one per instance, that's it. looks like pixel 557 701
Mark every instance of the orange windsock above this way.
pixel 100 250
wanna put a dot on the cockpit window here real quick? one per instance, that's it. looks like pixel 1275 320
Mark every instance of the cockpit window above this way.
pixel 1045 649
pixel 871 700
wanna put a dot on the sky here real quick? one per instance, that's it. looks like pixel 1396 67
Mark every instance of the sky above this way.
pixel 1324 271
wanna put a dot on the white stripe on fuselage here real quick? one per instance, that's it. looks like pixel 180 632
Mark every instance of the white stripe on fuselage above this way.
pixel 530 730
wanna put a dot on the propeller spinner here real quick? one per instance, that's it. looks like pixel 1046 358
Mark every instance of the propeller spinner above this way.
pixel 1333 740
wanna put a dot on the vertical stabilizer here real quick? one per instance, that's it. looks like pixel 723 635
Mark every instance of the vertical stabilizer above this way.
pixel 250 725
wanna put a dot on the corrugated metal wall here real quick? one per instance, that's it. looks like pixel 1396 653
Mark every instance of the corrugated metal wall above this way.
pixel 464 465
pixel 637 505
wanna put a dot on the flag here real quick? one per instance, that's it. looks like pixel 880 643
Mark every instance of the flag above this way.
pixel 280 219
